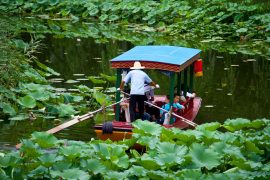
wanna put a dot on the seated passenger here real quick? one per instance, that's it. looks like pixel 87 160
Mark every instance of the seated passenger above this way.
pixel 165 119
pixel 149 97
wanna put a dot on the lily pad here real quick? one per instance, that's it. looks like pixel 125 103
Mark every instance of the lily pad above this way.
pixel 27 101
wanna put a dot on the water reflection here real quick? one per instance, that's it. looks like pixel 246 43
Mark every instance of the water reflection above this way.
pixel 233 85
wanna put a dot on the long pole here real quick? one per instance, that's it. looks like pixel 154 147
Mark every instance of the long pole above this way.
pixel 76 120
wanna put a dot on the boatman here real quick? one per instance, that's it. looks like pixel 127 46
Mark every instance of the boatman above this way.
pixel 137 79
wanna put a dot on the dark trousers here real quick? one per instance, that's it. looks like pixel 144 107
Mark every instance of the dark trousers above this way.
pixel 136 100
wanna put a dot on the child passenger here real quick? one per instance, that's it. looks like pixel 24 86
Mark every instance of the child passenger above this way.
pixel 165 118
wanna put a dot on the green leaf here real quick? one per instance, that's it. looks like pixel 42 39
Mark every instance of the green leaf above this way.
pixel 252 147
pixel 27 101
pixel 71 152
pixel 44 139
pixel 236 124
pixel 95 80
pixel 19 117
pixel 29 149
pixel 102 99
pixel 146 127
pixel 209 126
pixel 148 162
pixel 74 173
pixel 8 109
pixel 189 174
pixel 203 157
pixel 111 79
pixel 94 166
pixel 48 159
pixel 65 110
pixel 39 95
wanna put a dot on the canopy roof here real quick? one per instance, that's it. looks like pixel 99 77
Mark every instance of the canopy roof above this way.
pixel 170 58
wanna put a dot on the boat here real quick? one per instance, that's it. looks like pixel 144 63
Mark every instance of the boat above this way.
pixel 178 63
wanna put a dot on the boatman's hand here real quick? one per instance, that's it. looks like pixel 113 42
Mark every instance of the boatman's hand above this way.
pixel 157 86
pixel 118 89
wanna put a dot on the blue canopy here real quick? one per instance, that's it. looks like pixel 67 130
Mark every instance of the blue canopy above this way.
pixel 161 54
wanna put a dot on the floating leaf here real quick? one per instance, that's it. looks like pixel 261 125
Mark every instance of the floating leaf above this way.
pixel 65 110
pixel 44 139
pixel 111 79
pixel 96 80
pixel 27 101
pixel 8 109
pixel 19 117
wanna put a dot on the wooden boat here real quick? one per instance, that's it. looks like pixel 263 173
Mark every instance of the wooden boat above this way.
pixel 178 63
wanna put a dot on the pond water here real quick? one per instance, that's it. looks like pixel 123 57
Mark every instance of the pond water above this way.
pixel 233 85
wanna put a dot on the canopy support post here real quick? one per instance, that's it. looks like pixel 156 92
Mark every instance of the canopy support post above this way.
pixel 172 79
pixel 185 82
pixel 118 81
pixel 179 83
pixel 191 78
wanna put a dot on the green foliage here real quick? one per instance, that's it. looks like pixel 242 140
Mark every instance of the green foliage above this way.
pixel 206 19
pixel 170 158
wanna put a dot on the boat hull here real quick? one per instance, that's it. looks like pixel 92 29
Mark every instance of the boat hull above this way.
pixel 123 130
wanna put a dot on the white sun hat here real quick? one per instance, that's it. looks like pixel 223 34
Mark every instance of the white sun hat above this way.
pixel 137 65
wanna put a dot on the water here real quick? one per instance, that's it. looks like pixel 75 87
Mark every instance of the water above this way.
pixel 233 85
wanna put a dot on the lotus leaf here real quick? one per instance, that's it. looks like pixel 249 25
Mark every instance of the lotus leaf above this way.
pixel 47 159
pixel 7 108
pixel 27 101
pixel 236 124
pixel 65 110
pixel 203 157
pixel 209 126
pixel 115 175
pixel 71 152
pixel 111 79
pixel 74 173
pixel 38 172
pixel 29 149
pixel 95 80
pixel 101 98
pixel 189 174
pixel 137 171
pixel 160 175
pixel 44 139
pixel 148 162
pixel 41 96
pixel 94 166
pixel 19 117
pixel 147 127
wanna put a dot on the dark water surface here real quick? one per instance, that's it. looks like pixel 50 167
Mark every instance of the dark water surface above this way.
pixel 233 85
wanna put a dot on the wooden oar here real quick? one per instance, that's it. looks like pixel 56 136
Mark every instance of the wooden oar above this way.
pixel 176 115
pixel 75 120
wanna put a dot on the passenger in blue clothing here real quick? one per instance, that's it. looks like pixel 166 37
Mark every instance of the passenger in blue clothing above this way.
pixel 137 79
pixel 165 119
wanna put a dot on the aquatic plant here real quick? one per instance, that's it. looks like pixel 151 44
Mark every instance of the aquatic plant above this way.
pixel 237 149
